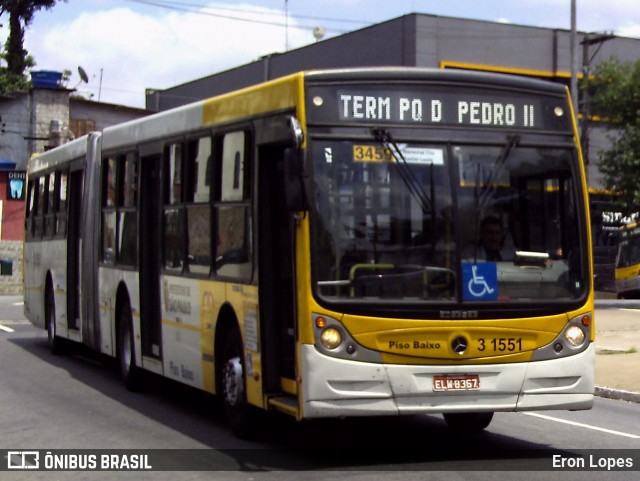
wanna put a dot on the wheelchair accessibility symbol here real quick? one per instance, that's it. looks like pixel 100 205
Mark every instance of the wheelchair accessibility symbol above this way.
pixel 480 281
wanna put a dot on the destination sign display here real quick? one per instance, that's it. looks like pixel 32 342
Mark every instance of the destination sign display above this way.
pixel 437 106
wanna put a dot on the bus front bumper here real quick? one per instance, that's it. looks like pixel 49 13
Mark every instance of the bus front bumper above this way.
pixel 335 387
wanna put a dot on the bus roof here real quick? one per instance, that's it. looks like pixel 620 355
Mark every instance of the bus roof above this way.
pixel 471 77
pixel 75 149
pixel 273 96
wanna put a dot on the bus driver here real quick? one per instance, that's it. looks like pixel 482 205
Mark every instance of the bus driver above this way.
pixel 491 246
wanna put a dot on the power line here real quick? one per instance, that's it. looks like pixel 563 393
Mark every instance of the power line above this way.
pixel 202 10
pixel 178 4
pixel 197 8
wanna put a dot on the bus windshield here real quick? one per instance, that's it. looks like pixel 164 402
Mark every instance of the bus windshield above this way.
pixel 425 222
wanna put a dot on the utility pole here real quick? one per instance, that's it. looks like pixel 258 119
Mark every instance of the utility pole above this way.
pixel 574 60
pixel 286 25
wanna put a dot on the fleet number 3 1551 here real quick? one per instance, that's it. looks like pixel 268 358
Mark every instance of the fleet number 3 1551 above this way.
pixel 501 344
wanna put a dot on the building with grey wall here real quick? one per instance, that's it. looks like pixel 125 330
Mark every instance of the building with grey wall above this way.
pixel 416 40
pixel 435 42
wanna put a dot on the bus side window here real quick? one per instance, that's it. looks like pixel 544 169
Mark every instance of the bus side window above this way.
pixel 127 212
pixel 109 165
pixel 61 214
pixel 199 209
pixel 51 205
pixel 32 207
pixel 42 207
pixel 173 215
pixel 233 250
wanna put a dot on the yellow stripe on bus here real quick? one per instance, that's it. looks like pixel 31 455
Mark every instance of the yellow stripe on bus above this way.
pixel 277 95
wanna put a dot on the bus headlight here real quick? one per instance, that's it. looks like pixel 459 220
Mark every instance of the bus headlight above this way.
pixel 574 336
pixel 574 339
pixel 331 338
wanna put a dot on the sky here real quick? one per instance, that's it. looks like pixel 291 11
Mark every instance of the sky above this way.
pixel 127 46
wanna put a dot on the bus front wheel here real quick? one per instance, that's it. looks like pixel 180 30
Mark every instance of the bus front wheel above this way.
pixel 241 416
pixel 468 421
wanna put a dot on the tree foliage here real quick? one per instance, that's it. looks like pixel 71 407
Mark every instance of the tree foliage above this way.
pixel 12 82
pixel 14 55
pixel 615 90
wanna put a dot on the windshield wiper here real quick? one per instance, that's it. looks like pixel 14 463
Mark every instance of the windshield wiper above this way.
pixel 404 170
pixel 491 185
pixel 482 195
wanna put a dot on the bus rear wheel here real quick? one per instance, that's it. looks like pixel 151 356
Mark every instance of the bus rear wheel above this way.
pixel 129 372
pixel 54 342
pixel 468 421
pixel 242 417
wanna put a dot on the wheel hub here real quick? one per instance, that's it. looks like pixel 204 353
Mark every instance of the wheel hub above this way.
pixel 233 384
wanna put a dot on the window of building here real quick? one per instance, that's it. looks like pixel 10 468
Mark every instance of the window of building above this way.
pixel 80 127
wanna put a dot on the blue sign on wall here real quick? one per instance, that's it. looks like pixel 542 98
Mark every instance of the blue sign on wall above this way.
pixel 480 281
pixel 16 185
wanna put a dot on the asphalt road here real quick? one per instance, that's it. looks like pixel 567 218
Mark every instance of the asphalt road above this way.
pixel 76 402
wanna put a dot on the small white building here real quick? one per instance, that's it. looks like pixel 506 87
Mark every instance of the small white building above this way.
pixel 50 114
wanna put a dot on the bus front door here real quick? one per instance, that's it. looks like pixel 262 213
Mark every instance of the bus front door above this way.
pixel 276 273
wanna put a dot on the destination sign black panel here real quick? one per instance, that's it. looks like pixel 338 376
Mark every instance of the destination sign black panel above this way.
pixel 436 106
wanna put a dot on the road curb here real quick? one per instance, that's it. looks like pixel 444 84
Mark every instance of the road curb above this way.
pixel 617 394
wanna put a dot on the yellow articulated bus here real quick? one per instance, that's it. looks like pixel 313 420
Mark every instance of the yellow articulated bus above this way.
pixel 330 244
pixel 627 270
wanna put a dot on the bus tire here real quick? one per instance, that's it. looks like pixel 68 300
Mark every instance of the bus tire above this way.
pixel 130 373
pixel 54 342
pixel 242 417
pixel 468 421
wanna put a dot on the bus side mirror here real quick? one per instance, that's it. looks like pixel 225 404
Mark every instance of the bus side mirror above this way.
pixel 297 134
pixel 295 180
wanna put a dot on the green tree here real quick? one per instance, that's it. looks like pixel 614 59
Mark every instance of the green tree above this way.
pixel 11 82
pixel 21 13
pixel 615 98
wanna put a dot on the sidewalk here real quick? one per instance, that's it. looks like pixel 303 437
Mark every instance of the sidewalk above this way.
pixel 618 349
